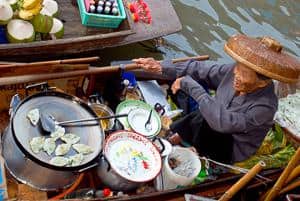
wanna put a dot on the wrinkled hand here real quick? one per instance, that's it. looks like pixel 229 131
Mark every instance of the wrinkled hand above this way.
pixel 176 85
pixel 148 64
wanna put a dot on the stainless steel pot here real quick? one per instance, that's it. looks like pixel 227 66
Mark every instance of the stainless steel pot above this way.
pixel 110 178
pixel 101 110
pixel 28 172
pixel 141 165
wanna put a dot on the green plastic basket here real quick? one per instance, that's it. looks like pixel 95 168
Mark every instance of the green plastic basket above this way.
pixel 101 20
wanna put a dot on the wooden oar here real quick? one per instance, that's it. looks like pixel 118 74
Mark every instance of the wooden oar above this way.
pixel 90 71
pixel 52 62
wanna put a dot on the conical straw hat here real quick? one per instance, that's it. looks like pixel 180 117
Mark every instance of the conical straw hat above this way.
pixel 264 56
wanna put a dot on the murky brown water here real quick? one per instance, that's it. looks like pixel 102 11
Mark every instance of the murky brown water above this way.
pixel 207 24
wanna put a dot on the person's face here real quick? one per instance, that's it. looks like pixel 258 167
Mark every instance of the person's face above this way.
pixel 245 79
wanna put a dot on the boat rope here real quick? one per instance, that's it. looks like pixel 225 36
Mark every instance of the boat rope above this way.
pixel 239 169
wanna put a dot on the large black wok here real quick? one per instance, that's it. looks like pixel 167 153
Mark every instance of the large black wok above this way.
pixel 63 107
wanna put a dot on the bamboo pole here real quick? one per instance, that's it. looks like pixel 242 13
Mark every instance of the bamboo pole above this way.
pixel 281 180
pixel 295 173
pixel 243 181
pixel 52 68
pixel 52 62
pixel 290 187
pixel 90 71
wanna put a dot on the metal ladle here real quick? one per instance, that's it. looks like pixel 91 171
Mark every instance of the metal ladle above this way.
pixel 49 123
pixel 148 125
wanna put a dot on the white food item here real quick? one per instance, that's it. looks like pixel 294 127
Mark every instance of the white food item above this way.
pixel 76 159
pixel 36 144
pixel 58 133
pixel 49 145
pixel 70 138
pixel 50 8
pixel 288 113
pixel 34 116
pixel 6 12
pixel 20 31
pixel 62 149
pixel 59 161
pixel 57 28
pixel 82 148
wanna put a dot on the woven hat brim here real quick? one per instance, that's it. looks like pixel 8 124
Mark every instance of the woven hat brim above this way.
pixel 257 68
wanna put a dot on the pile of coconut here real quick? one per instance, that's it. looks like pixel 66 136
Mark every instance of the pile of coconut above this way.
pixel 25 20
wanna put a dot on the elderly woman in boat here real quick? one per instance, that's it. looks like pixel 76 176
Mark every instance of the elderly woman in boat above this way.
pixel 231 125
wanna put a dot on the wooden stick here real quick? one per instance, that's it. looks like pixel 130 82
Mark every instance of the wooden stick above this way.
pixel 290 187
pixel 295 173
pixel 53 68
pixel 44 63
pixel 281 180
pixel 90 71
pixel 242 181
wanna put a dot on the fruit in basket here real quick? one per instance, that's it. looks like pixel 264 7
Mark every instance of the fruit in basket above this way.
pixel 57 28
pixel 31 4
pixel 28 14
pixel 50 8
pixel 20 31
pixel 42 23
pixel 6 12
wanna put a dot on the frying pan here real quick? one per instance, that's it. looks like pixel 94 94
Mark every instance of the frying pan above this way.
pixel 63 107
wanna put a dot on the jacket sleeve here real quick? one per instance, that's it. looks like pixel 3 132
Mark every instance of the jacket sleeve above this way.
pixel 220 118
pixel 198 70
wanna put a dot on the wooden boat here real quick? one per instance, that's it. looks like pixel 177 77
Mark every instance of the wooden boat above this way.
pixel 73 73
pixel 79 38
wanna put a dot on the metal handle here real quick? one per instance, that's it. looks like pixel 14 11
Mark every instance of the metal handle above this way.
pixel 15 100
pixel 159 109
pixel 96 98
pixel 92 119
pixel 161 143
pixel 43 87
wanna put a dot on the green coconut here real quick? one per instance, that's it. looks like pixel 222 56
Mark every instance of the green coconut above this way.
pixel 57 28
pixel 42 23
pixel 6 12
pixel 50 8
pixel 20 31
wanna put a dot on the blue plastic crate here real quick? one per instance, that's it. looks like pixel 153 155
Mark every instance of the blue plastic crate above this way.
pixel 101 20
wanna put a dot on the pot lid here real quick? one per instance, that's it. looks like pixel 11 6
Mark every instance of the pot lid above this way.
pixel 132 156
pixel 265 56
pixel 62 107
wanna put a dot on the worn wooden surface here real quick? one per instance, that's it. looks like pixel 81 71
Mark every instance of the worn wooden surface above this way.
pixel 79 38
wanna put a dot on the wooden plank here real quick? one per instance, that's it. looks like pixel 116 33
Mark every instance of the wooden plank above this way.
pixel 69 85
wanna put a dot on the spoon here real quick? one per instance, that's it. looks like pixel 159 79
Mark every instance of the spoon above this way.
pixel 49 123
pixel 148 125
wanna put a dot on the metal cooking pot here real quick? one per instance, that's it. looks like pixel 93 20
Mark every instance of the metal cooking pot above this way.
pixel 110 178
pixel 96 103
pixel 28 172
pixel 129 160
pixel 63 107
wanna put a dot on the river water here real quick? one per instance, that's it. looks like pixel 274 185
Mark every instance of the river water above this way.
pixel 207 24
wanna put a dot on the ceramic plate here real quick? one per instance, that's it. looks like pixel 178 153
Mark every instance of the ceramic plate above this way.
pixel 126 106
pixel 132 156
pixel 137 119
